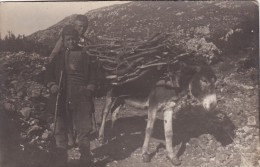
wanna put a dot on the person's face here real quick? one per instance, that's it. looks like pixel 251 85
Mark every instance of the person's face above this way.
pixel 70 41
pixel 80 26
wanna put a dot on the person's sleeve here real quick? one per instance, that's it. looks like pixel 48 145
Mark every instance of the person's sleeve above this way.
pixel 56 50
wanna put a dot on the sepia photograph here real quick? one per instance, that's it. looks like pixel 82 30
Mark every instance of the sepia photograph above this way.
pixel 129 83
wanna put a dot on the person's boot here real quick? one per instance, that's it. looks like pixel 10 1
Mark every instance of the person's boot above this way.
pixel 71 140
pixel 86 157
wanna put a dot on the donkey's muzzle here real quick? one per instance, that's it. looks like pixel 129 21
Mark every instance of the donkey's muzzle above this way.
pixel 209 102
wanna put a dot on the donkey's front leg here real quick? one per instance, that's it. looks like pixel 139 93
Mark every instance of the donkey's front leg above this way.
pixel 105 112
pixel 168 137
pixel 148 133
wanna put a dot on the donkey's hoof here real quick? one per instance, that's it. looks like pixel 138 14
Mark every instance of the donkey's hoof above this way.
pixel 146 157
pixel 175 161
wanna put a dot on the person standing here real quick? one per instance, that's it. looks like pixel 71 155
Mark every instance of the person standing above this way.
pixel 80 24
pixel 72 74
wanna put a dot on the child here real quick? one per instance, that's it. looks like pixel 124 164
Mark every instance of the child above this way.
pixel 72 75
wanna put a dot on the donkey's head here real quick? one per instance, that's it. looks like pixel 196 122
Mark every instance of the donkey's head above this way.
pixel 199 79
pixel 202 86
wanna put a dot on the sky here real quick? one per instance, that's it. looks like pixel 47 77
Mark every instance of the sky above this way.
pixel 29 17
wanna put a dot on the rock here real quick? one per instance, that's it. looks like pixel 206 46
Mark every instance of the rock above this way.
pixel 34 140
pixel 246 129
pixel 33 129
pixel 52 127
pixel 221 157
pixel 34 90
pixel 34 122
pixel 236 99
pixel 13 82
pixel 26 112
pixel 9 107
pixel 248 138
pixel 251 121
pixel 46 134
pixel 19 94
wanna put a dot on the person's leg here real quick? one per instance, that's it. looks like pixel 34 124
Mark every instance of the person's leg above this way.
pixel 60 133
pixel 82 120
pixel 60 152
pixel 84 148
pixel 71 134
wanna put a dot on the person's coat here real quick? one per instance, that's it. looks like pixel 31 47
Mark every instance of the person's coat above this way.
pixel 53 74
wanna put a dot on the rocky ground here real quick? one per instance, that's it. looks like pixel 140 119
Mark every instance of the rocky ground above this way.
pixel 227 137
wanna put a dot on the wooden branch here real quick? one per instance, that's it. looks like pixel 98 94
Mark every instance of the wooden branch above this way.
pixel 135 73
pixel 142 54
pixel 128 68
pixel 108 61
pixel 102 45
pixel 151 48
pixel 132 79
pixel 151 65
pixel 111 77
pixel 111 69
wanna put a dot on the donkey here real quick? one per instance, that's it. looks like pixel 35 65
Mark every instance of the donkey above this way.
pixel 162 90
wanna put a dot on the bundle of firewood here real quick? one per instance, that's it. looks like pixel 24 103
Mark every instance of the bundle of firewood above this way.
pixel 127 60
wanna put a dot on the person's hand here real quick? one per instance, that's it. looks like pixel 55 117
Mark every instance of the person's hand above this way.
pixel 54 89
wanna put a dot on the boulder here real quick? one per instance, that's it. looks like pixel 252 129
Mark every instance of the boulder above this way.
pixel 26 112
pixel 9 106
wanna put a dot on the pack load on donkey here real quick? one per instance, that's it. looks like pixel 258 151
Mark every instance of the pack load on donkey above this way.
pixel 127 60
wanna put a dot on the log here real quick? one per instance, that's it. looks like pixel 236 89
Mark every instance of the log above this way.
pixel 107 61
pixel 131 79
pixel 142 54
pixel 128 67
pixel 131 75
pixel 151 65
pixel 102 46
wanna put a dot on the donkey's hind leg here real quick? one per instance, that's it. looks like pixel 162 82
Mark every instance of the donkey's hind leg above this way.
pixel 168 136
pixel 115 113
pixel 105 112
pixel 148 132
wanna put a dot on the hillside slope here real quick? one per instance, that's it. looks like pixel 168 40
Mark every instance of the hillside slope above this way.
pixel 204 27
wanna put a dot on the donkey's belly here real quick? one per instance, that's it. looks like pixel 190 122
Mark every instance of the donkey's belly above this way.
pixel 137 102
pixel 163 97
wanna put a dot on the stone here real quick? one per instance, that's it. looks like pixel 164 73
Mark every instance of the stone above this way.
pixel 248 138
pixel 26 112
pixel 14 82
pixel 19 94
pixel 33 128
pixel 52 127
pixel 34 122
pixel 221 157
pixel 251 121
pixel 46 134
pixel 246 129
pixel 9 107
